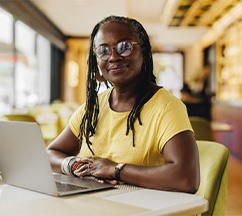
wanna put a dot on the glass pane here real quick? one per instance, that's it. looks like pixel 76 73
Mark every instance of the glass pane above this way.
pixel 6 62
pixel 43 59
pixel 6 27
pixel 168 69
pixel 26 67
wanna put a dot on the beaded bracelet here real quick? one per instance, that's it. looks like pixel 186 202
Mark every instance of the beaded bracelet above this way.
pixel 66 165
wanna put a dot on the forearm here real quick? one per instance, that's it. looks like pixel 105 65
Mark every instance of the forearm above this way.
pixel 65 145
pixel 56 157
pixel 166 177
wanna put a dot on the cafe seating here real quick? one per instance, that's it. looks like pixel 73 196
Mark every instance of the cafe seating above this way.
pixel 19 117
pixel 202 128
pixel 49 129
pixel 214 176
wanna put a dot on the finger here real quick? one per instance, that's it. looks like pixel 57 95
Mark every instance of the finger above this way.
pixel 86 170
pixel 112 182
pixel 91 170
pixel 99 180
pixel 82 168
pixel 86 167
pixel 121 183
pixel 85 160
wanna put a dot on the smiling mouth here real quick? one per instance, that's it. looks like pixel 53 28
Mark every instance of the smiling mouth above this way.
pixel 118 69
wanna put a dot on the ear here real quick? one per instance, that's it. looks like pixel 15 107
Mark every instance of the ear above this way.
pixel 99 76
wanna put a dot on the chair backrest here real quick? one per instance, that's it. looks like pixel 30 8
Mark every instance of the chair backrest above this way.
pixel 202 128
pixel 49 128
pixel 214 176
pixel 19 117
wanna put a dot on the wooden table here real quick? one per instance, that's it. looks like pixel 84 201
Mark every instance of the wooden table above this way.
pixel 124 200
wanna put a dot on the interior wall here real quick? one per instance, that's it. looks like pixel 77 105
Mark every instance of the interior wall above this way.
pixel 74 83
pixel 193 63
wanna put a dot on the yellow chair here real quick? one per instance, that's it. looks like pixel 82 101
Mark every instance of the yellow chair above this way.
pixel 49 129
pixel 19 117
pixel 202 128
pixel 214 176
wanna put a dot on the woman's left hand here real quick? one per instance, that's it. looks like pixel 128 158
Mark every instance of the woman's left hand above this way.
pixel 102 169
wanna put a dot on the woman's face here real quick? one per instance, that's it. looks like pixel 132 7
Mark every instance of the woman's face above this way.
pixel 117 69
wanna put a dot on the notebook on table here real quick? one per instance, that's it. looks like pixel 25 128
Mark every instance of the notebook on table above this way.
pixel 24 163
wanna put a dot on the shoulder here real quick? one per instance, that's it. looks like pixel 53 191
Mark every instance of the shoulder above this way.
pixel 164 98
pixel 105 93
pixel 103 97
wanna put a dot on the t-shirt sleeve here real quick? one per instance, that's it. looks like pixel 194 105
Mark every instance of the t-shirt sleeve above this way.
pixel 173 121
pixel 75 120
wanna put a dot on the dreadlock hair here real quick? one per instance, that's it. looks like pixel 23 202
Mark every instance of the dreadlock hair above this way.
pixel 90 118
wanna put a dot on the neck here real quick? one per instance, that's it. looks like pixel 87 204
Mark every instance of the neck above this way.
pixel 122 99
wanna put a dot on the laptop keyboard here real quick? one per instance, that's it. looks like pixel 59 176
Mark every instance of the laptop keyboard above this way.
pixel 63 187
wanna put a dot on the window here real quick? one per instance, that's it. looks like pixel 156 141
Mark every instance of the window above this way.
pixel 43 69
pixel 24 66
pixel 6 62
pixel 168 69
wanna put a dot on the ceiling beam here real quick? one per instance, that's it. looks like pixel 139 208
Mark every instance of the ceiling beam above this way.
pixel 216 10
pixel 192 12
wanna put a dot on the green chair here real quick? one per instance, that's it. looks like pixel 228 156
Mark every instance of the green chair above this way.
pixel 48 130
pixel 214 176
pixel 19 117
pixel 202 128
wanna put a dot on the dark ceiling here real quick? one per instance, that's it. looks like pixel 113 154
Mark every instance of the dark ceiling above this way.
pixel 200 12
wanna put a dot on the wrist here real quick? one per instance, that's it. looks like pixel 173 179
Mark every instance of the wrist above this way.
pixel 117 171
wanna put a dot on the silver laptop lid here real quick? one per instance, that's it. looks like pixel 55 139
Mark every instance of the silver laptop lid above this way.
pixel 23 158
pixel 24 162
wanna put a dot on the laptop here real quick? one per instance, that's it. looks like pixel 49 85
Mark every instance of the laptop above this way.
pixel 24 163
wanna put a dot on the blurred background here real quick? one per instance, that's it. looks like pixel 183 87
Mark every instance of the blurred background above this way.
pixel 197 51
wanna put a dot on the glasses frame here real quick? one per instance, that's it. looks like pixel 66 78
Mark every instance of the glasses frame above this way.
pixel 111 48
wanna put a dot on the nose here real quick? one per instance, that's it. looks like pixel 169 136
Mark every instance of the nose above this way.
pixel 114 55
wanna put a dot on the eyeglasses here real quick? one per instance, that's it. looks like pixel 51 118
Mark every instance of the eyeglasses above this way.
pixel 123 48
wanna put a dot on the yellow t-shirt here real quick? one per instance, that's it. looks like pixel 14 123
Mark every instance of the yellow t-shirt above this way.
pixel 163 116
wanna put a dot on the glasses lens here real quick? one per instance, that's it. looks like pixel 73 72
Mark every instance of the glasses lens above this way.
pixel 103 52
pixel 124 48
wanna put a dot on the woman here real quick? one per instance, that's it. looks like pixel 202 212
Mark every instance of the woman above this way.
pixel 135 132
